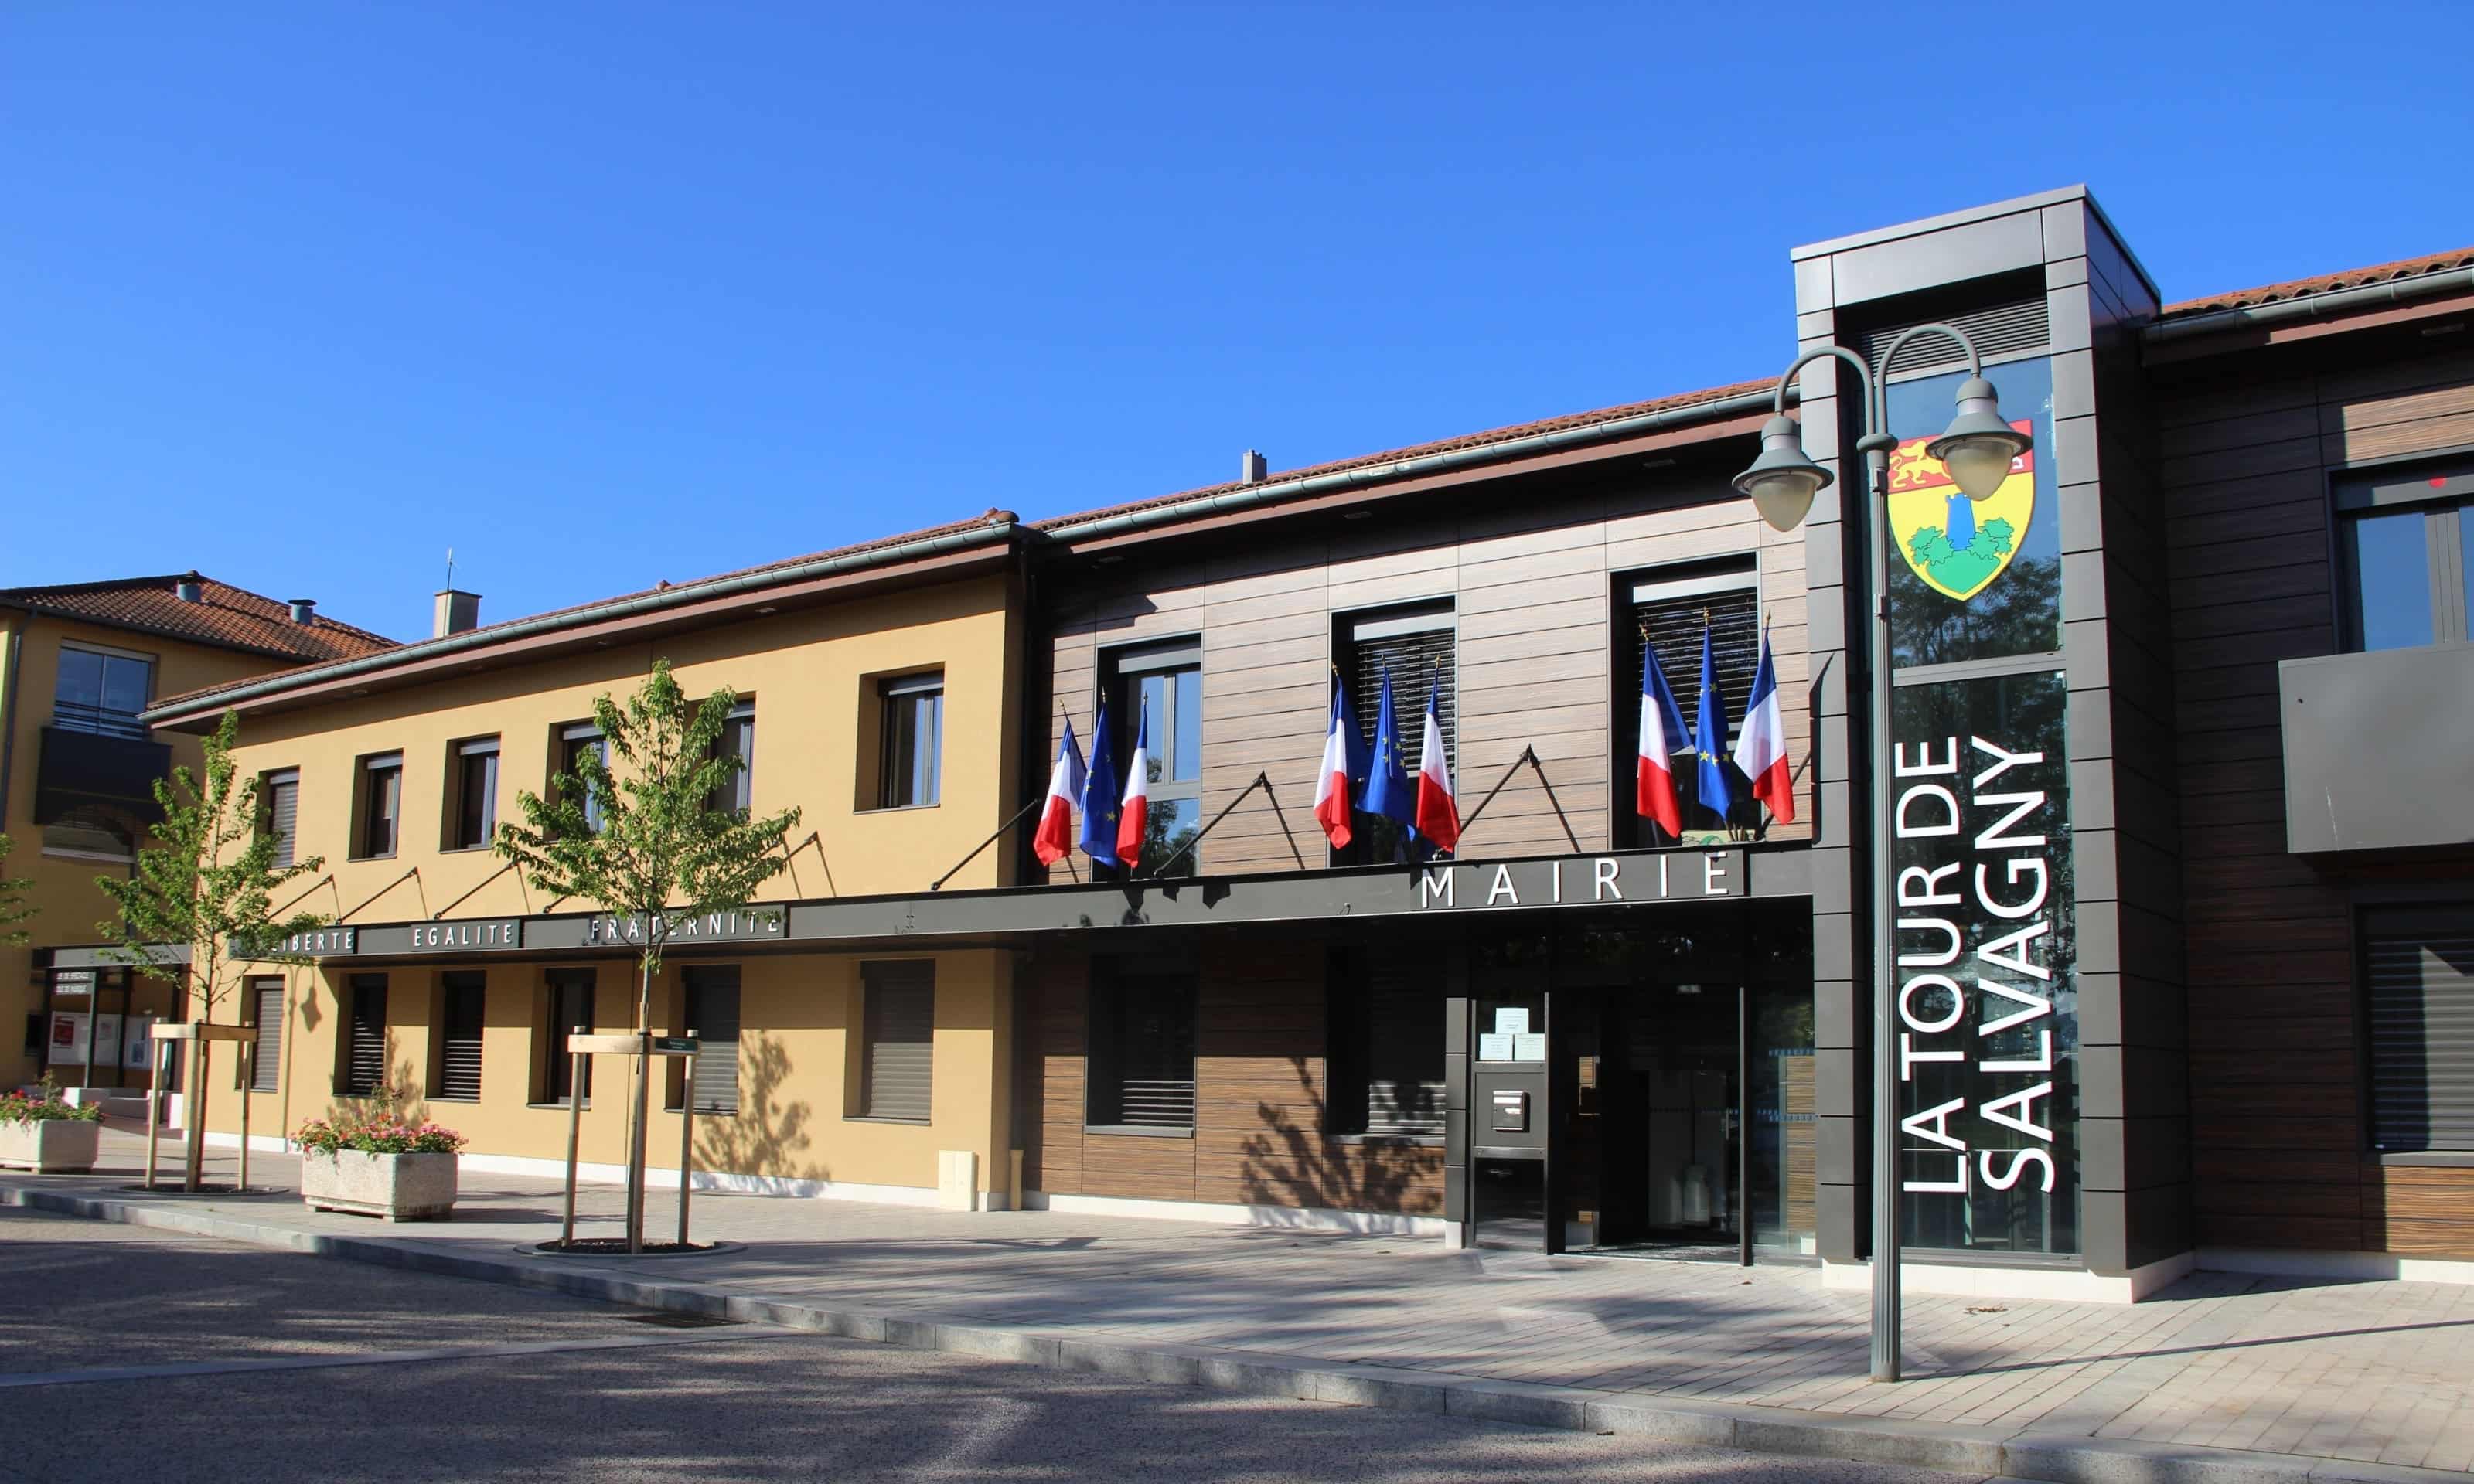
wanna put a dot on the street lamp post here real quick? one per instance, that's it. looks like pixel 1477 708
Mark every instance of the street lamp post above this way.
pixel 1977 448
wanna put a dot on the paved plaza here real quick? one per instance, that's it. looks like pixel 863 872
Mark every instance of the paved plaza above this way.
pixel 2373 1372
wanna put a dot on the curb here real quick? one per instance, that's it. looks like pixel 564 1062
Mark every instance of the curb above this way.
pixel 2056 1458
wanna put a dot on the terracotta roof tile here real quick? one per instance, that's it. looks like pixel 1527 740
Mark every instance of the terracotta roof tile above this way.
pixel 225 617
pixel 580 610
pixel 2301 288
pixel 1421 450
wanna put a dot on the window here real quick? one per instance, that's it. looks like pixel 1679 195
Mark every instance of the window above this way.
pixel 2406 543
pixel 1417 646
pixel 1387 1044
pixel 1164 683
pixel 737 795
pixel 380 795
pixel 2418 980
pixel 365 1047
pixel 569 1006
pixel 283 794
pixel 898 1021
pixel 462 996
pixel 102 690
pixel 575 740
pixel 266 1003
pixel 712 1014
pixel 88 832
pixel 1142 1048
pixel 472 793
pixel 911 749
pixel 1667 610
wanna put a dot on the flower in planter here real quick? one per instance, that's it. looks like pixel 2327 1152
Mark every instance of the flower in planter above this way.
pixel 45 1105
pixel 376 1134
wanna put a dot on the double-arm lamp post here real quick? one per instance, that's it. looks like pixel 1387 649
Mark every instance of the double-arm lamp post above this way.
pixel 1977 450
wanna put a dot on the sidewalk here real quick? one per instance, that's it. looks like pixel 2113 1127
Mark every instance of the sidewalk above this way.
pixel 2223 1377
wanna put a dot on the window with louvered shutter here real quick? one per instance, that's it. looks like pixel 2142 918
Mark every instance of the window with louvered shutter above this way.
pixel 1419 648
pixel 1669 609
pixel 1141 1050
pixel 365 1052
pixel 898 1031
pixel 713 1014
pixel 459 1046
pixel 266 1071
pixel 1388 1039
pixel 283 813
pixel 2419 979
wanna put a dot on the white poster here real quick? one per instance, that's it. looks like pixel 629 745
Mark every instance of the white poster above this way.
pixel 137 1043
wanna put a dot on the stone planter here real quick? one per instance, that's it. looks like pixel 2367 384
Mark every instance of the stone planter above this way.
pixel 50 1146
pixel 399 1186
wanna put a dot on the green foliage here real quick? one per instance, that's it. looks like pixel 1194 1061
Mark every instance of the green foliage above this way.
pixel 662 851
pixel 12 899
pixel 207 883
pixel 376 1134
pixel 45 1105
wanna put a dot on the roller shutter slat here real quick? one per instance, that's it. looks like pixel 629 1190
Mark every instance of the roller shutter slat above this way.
pixel 900 1025
pixel 2418 971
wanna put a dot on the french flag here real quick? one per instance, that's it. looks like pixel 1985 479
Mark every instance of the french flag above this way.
pixel 1661 733
pixel 1332 806
pixel 1055 837
pixel 1760 748
pixel 1439 812
pixel 1136 815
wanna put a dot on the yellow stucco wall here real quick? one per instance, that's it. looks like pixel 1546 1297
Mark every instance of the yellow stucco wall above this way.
pixel 69 904
pixel 811 676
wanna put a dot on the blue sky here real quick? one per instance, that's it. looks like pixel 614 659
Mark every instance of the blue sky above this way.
pixel 600 295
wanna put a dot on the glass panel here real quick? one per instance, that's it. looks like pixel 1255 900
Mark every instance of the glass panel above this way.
pixel 2392 580
pixel 378 830
pixel 1988 1001
pixel 917 737
pixel 1154 706
pixel 1170 825
pixel 125 683
pixel 1973 578
pixel 1785 1133
pixel 1186 761
pixel 80 678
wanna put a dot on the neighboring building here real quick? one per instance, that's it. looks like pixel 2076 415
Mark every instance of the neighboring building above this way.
pixel 2183 827
pixel 78 663
pixel 875 687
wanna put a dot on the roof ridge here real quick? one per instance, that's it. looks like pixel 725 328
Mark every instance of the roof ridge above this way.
pixel 2394 271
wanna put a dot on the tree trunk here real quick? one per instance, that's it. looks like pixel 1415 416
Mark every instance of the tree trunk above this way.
pixel 639 1106
pixel 202 1049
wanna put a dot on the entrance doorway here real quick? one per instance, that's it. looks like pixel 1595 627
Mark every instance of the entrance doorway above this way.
pixel 1652 1153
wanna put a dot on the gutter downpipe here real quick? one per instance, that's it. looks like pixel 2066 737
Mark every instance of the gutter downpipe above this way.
pixel 8 711
pixel 627 607
pixel 2314 306
pixel 1252 496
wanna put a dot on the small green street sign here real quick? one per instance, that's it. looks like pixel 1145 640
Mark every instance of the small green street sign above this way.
pixel 675 1045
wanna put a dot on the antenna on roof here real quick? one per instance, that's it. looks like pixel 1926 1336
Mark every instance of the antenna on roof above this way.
pixel 450 566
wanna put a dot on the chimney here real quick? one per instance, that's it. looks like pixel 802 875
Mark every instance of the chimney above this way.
pixel 304 612
pixel 188 589
pixel 456 612
pixel 1253 470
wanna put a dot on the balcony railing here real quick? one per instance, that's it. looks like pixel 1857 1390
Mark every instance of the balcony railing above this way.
pixel 99 720
pixel 2376 749
pixel 89 768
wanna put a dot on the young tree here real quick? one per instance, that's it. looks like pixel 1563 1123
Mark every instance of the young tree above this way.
pixel 205 885
pixel 12 899
pixel 632 829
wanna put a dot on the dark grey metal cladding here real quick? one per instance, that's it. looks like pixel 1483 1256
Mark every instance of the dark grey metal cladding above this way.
pixel 2377 754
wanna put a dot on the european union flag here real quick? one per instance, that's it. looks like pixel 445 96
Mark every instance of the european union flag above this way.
pixel 1709 737
pixel 1386 786
pixel 1100 791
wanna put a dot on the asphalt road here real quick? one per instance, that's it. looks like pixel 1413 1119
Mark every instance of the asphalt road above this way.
pixel 127 1353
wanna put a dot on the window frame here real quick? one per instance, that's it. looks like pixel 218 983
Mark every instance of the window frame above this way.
pixel 286 850
pixel 896 697
pixel 349 1039
pixel 366 770
pixel 2444 496
pixel 452 983
pixel 1123 669
pixel 553 1064
pixel 2392 910
pixel 454 817
pixel 697 981
pixel 1110 981
pixel 569 739
pixel 262 1077
pixel 1711 578
pixel 737 736
pixel 1350 1035
pixel 1351 630
pixel 97 721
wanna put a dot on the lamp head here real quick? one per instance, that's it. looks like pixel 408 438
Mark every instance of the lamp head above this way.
pixel 1783 481
pixel 1978 447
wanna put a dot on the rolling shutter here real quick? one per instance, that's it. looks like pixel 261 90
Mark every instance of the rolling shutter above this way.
pixel 713 1014
pixel 365 1067
pixel 459 1056
pixel 1668 615
pixel 1416 660
pixel 2418 974
pixel 283 813
pixel 266 1072
pixel 901 1021
pixel 1404 1045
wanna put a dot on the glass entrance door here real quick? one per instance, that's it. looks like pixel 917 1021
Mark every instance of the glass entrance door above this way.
pixel 1650 1161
